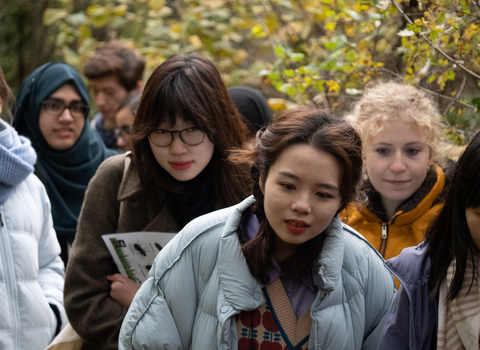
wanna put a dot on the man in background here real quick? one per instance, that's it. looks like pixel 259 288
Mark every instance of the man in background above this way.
pixel 113 71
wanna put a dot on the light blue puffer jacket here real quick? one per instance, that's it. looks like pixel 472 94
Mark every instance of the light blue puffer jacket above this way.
pixel 200 280
pixel 31 270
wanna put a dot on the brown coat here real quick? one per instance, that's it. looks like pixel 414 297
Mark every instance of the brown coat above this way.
pixel 94 315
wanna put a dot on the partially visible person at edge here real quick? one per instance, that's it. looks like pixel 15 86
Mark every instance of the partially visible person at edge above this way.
pixel 51 110
pixel 32 273
pixel 438 304
pixel 113 71
pixel 176 172
pixel 402 189
pixel 279 270
pixel 252 106
pixel 125 117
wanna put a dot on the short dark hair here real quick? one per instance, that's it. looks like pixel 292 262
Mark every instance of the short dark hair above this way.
pixel 115 58
pixel 316 128
pixel 191 88
pixel 448 236
pixel 6 94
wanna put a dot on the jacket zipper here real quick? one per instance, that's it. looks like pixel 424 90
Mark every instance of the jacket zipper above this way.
pixel 6 256
pixel 383 245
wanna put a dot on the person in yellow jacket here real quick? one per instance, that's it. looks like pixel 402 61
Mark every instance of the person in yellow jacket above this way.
pixel 402 186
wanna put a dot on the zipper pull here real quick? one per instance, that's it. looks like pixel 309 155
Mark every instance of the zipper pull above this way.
pixel 1 220
pixel 384 230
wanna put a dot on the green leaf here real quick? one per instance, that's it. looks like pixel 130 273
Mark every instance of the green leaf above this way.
pixel 50 16
pixel 413 27
pixel 296 56
pixel 280 51
pixel 476 102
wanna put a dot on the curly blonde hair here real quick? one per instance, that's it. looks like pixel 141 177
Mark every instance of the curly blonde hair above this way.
pixel 388 101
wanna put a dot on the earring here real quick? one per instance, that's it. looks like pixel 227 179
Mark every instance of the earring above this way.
pixel 365 174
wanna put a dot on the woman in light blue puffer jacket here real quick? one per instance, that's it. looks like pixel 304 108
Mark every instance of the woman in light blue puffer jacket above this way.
pixel 279 270
pixel 31 270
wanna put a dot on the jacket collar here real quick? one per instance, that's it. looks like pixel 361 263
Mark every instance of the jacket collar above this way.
pixel 130 185
pixel 410 210
pixel 232 264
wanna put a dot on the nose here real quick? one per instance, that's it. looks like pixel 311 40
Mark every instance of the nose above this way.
pixel 121 142
pixel 301 204
pixel 398 164
pixel 100 99
pixel 66 116
pixel 177 146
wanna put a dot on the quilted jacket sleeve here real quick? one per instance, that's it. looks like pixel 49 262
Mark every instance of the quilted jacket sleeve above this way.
pixel 149 324
pixel 51 273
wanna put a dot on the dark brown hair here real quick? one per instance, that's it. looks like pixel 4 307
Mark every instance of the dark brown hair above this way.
pixel 190 87
pixel 448 236
pixel 114 58
pixel 322 131
pixel 6 94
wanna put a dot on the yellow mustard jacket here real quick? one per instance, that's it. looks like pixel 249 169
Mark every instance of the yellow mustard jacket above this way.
pixel 407 226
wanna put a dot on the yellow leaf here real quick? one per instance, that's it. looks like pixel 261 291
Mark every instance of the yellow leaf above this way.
pixel 156 5
pixel 333 86
pixel 176 27
pixel 330 26
pixel 52 15
pixel 240 56
pixel 277 104
pixel 196 41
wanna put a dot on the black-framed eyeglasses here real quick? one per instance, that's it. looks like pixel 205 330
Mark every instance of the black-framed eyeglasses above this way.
pixel 56 107
pixel 190 137
pixel 123 131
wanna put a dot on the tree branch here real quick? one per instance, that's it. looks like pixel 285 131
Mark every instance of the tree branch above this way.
pixel 456 96
pixel 455 100
pixel 465 69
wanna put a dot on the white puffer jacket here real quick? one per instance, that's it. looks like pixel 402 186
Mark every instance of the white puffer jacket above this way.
pixel 31 270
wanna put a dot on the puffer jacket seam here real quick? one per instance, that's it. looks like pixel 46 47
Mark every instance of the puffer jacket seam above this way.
pixel 187 245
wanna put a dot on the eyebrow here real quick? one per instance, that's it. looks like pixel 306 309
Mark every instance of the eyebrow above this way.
pixel 62 100
pixel 324 185
pixel 389 144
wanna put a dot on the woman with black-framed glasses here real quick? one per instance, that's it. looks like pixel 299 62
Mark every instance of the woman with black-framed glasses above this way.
pixel 51 110
pixel 177 171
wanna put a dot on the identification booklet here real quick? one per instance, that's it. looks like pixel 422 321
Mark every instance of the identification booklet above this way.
pixel 134 252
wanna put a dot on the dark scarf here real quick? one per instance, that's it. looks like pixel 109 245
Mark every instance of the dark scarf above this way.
pixel 197 197
pixel 65 174
pixel 253 107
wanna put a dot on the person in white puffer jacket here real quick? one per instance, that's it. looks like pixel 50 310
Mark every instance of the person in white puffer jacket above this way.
pixel 31 270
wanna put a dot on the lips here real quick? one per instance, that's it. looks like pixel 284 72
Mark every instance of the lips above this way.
pixel 397 182
pixel 63 132
pixel 296 226
pixel 181 165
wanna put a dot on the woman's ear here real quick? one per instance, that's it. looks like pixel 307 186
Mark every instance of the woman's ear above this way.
pixel 261 184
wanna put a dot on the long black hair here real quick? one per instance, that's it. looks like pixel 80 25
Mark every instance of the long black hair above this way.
pixel 448 236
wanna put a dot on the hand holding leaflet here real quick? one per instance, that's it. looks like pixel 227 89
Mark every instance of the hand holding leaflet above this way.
pixel 134 252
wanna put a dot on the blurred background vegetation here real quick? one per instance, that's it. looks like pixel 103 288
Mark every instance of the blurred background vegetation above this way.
pixel 321 53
